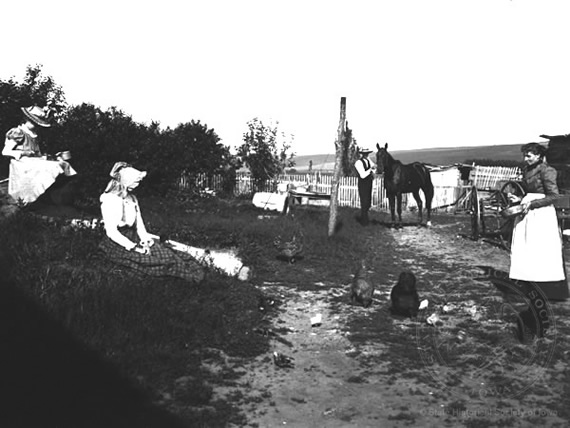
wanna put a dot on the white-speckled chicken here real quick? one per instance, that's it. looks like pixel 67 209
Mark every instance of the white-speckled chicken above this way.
pixel 289 250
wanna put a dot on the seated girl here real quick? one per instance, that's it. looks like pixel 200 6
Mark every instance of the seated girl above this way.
pixel 127 241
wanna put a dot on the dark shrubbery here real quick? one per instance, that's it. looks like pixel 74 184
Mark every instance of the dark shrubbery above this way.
pixel 97 139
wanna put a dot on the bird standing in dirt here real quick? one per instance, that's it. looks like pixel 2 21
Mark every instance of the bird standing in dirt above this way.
pixel 361 289
pixel 289 250
pixel 282 360
pixel 404 296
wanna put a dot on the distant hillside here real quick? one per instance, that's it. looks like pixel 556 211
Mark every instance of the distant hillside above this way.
pixel 434 156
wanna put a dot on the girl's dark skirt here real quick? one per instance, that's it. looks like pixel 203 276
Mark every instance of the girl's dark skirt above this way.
pixel 161 262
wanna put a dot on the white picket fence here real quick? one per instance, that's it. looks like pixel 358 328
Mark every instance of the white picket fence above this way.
pixel 487 177
pixel 447 186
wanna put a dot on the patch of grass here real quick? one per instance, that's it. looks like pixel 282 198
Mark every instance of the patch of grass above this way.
pixel 356 379
pixel 158 332
pixel 402 416
pixel 165 343
pixel 152 330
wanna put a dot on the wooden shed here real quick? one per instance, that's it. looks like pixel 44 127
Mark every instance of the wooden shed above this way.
pixel 558 156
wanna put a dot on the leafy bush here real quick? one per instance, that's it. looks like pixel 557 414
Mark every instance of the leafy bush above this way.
pixel 98 139
pixel 265 151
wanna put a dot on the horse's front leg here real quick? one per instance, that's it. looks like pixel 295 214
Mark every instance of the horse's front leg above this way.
pixel 399 197
pixel 391 202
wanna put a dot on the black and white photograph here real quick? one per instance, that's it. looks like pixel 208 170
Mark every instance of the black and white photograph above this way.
pixel 260 214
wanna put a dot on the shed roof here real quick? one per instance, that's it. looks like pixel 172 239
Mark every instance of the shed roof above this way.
pixel 565 137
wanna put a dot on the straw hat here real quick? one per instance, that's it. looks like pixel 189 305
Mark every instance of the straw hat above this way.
pixel 364 150
pixel 37 115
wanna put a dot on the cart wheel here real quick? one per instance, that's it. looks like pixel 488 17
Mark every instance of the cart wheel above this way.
pixel 475 214
pixel 507 225
pixel 513 187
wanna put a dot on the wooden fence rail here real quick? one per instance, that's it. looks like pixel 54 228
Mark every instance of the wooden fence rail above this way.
pixel 447 186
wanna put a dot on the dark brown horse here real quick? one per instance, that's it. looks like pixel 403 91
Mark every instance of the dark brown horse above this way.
pixel 402 178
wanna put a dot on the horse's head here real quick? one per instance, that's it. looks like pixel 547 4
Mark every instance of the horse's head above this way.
pixel 382 158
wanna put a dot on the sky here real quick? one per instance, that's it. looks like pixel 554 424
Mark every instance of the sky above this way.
pixel 416 74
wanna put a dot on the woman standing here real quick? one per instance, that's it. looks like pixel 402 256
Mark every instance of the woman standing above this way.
pixel 31 173
pixel 127 241
pixel 536 250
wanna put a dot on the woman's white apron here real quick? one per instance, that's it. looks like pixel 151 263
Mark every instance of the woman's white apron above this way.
pixel 536 248
pixel 31 177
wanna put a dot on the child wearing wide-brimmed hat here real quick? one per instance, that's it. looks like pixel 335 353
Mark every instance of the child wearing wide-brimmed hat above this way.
pixel 24 140
pixel 31 173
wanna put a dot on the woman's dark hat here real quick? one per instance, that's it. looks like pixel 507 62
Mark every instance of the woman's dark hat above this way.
pixel 37 115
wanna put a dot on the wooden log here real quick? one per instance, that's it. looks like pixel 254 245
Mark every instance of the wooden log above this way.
pixel 333 214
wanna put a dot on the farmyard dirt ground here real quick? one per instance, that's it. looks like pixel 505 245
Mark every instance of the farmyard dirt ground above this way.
pixel 364 368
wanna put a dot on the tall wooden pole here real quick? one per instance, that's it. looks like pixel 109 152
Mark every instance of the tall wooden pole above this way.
pixel 337 167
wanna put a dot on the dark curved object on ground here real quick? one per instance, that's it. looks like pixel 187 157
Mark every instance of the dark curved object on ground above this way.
pixel 49 379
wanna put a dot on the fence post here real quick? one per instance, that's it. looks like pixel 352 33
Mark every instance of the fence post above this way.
pixel 340 141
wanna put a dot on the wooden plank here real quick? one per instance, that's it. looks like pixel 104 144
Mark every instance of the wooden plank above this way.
pixel 310 195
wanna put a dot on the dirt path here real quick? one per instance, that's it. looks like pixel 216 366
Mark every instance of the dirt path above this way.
pixel 364 368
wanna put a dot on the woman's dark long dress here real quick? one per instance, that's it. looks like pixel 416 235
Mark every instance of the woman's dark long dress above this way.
pixel 536 250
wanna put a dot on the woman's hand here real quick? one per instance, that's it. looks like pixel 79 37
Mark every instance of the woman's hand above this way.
pixel 147 242
pixel 526 207
pixel 142 249
pixel 513 199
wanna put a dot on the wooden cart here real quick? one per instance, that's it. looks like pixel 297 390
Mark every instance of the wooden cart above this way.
pixel 485 209
pixel 303 197
pixel 488 224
